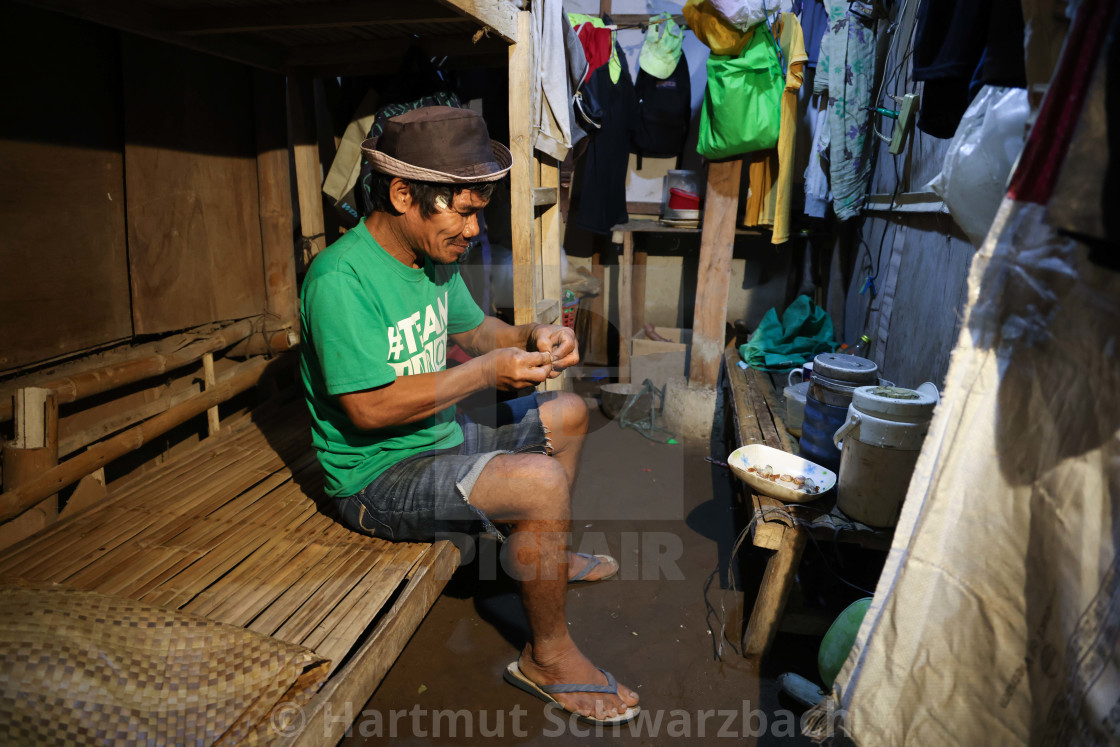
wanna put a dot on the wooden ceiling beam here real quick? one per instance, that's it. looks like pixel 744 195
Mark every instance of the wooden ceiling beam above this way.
pixel 381 51
pixel 234 20
pixel 499 15
pixel 154 22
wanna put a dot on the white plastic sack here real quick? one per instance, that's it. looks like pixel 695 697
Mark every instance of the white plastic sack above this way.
pixel 745 14
pixel 973 179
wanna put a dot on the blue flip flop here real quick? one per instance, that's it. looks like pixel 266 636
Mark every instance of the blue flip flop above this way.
pixel 514 676
pixel 593 562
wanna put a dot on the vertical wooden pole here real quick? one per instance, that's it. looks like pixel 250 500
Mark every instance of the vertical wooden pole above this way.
pixel 552 286
pixel 274 190
pixel 714 272
pixel 213 423
pixel 641 261
pixel 597 328
pixel 521 175
pixel 305 152
pixel 33 451
pixel 625 304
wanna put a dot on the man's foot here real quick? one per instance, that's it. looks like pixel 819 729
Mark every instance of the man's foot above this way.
pixel 603 567
pixel 565 664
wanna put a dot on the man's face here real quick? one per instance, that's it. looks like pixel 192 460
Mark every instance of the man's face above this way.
pixel 446 235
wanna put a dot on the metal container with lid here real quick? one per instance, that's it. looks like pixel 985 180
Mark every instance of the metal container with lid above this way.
pixel 835 378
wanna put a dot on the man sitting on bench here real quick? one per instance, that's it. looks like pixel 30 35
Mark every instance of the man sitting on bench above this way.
pixel 377 308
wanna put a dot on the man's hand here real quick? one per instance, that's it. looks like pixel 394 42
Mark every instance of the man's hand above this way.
pixel 509 368
pixel 557 341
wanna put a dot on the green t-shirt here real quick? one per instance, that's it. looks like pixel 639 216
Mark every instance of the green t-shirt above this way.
pixel 368 318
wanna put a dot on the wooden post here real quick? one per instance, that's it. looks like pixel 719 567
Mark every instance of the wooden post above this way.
pixel 213 422
pixel 305 153
pixel 274 189
pixel 625 304
pixel 33 451
pixel 716 242
pixel 597 327
pixel 641 261
pixel 521 175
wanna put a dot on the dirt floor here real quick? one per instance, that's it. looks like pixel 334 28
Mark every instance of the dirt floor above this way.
pixel 667 514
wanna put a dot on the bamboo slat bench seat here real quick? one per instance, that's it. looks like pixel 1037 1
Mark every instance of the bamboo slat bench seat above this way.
pixel 783 529
pixel 231 531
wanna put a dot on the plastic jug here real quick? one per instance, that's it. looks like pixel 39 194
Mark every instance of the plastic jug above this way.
pixel 879 442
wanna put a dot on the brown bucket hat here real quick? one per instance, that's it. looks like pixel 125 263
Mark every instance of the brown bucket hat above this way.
pixel 439 144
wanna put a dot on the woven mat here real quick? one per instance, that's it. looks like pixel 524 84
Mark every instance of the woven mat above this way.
pixel 80 667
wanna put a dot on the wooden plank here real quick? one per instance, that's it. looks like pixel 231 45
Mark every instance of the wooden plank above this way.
pixel 716 242
pixel 625 305
pixel 777 581
pixel 274 185
pixel 499 15
pixel 389 577
pixel 64 284
pixel 359 678
pixel 521 175
pixel 749 430
pixel 194 239
pixel 355 603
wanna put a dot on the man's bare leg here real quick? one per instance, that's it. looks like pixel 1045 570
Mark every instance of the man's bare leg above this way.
pixel 564 416
pixel 531 491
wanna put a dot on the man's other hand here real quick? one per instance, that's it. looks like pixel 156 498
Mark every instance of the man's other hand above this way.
pixel 557 341
pixel 509 368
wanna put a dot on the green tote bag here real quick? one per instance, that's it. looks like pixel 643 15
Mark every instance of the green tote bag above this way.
pixel 742 103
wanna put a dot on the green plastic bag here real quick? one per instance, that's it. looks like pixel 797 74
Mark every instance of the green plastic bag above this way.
pixel 742 103
pixel 804 331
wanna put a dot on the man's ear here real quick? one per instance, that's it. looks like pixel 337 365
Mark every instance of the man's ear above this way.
pixel 400 195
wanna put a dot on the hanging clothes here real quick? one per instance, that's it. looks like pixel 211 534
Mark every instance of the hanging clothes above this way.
pixel 813 16
pixel 770 173
pixel 960 47
pixel 846 72
pixel 602 203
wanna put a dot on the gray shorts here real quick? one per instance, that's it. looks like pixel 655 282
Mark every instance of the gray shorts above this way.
pixel 429 494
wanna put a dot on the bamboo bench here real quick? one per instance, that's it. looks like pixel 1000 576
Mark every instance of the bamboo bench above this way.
pixel 231 531
pixel 754 416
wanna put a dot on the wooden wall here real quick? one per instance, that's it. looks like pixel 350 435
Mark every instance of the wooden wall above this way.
pixel 128 188
pixel 63 259
pixel 190 163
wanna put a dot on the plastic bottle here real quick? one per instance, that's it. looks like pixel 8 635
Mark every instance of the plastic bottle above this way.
pixel 861 348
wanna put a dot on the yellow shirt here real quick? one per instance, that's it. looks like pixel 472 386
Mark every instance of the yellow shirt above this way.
pixel 770 172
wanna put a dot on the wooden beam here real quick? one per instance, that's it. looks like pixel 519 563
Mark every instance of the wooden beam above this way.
pixel 33 451
pixel 544 196
pixel 548 311
pixel 213 422
pixel 521 175
pixel 381 51
pixel 499 15
pixel 641 263
pixel 625 304
pixel 97 380
pixel 305 154
pixel 17 500
pixel 714 273
pixel 251 19
pixel 150 20
pixel 274 194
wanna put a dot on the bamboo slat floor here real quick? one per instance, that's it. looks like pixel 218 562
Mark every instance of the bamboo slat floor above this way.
pixel 231 531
